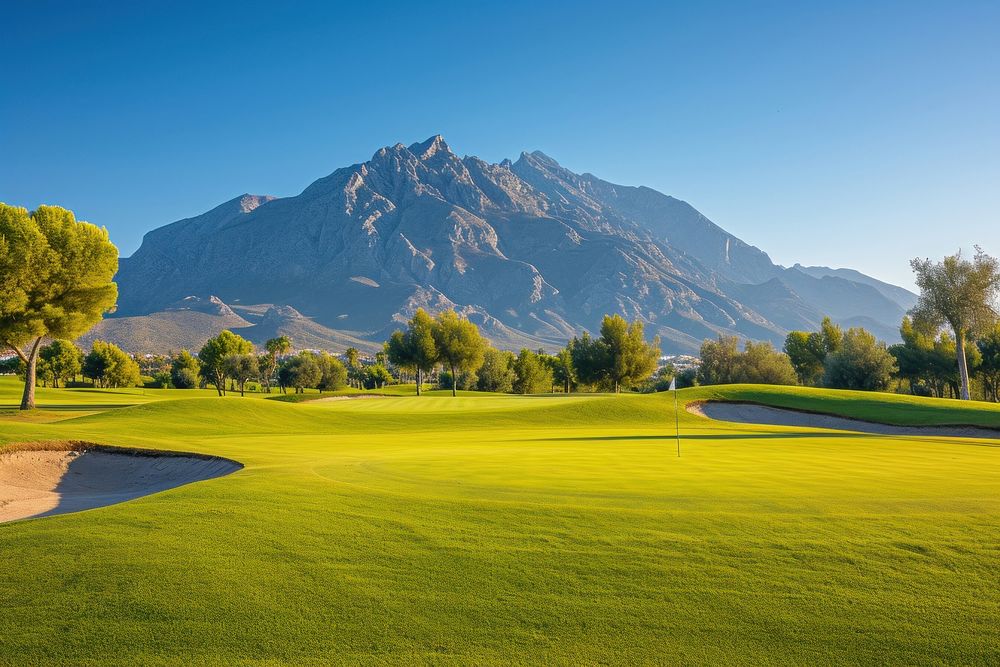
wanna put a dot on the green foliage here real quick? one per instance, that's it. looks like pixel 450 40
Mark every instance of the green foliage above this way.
pixel 163 380
pixel 930 366
pixel 497 372
pixel 268 362
pixel 760 363
pixel 333 374
pixel 630 358
pixel 213 354
pixel 459 345
pixel 590 359
pixel 415 348
pixel 620 359
pixel 806 357
pixel 862 363
pixel 722 362
pixel 56 282
pixel 563 372
pixel 63 360
pixel 300 372
pixel 9 366
pixel 533 375
pixel 184 370
pixel 466 381
pixel 377 376
pixel 989 368
pixel 807 351
pixel 961 294
pixel 108 366
pixel 719 361
pixel 242 368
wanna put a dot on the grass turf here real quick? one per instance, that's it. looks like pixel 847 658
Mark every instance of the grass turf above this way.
pixel 505 529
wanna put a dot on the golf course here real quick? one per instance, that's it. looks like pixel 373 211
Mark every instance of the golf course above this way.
pixel 559 529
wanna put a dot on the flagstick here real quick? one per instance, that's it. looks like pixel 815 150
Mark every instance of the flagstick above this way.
pixel 677 424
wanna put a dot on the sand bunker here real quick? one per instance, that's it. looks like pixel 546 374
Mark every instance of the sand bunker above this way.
pixel 36 483
pixel 750 413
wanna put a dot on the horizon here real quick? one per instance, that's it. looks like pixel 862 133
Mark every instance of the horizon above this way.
pixel 879 124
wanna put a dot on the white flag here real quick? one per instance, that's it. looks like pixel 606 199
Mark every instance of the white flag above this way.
pixel 673 384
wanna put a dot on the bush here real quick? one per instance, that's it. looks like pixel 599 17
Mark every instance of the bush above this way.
pixel 862 362
pixel 466 380
pixel 497 372
pixel 184 378
pixel 162 380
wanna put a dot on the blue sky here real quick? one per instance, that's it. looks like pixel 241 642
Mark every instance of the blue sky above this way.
pixel 845 134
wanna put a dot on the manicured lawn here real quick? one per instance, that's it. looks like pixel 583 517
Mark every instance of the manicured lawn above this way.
pixel 505 529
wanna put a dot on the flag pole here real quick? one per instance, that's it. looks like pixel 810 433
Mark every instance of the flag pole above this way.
pixel 677 424
pixel 677 420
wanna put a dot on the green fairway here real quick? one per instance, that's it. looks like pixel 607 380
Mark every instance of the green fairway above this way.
pixel 505 529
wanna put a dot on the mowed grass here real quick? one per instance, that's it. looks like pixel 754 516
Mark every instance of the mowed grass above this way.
pixel 515 530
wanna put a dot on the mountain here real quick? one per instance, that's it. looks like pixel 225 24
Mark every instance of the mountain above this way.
pixel 531 251
pixel 903 297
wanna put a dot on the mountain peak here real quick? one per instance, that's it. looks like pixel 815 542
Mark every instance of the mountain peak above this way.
pixel 430 147
pixel 248 202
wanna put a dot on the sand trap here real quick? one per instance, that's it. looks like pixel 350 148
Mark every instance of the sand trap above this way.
pixel 750 413
pixel 37 483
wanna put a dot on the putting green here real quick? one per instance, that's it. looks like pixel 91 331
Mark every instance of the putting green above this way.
pixel 505 529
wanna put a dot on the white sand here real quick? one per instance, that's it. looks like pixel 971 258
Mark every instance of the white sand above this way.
pixel 748 413
pixel 43 483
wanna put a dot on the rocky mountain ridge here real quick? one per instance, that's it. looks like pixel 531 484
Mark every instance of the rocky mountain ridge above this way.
pixel 531 251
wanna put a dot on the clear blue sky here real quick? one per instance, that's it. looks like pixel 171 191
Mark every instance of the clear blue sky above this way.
pixel 847 134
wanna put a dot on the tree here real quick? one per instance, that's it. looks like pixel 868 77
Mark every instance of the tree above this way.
pixel 63 359
pixel 760 363
pixel 377 376
pixel 56 282
pixel 268 362
pixel 497 372
pixel 532 374
pixel 719 360
pixel 300 371
pixel 989 369
pixel 184 370
pixel 465 380
pixel 459 345
pixel 807 351
pixel 355 370
pixel 862 362
pixel 213 357
pixel 563 372
pixel 333 375
pixel 107 365
pixel 630 359
pixel 804 356
pixel 961 294
pixel 242 368
pixel 415 348
pixel 590 359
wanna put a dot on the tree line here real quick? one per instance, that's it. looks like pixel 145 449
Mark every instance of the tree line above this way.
pixel 57 283
pixel 617 360
pixel 950 343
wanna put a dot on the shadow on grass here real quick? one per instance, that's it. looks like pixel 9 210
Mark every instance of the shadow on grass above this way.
pixel 74 407
pixel 766 436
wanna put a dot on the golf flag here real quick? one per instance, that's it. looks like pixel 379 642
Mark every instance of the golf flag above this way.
pixel 673 384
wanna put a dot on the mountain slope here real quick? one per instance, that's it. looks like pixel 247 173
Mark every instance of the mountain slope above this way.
pixel 531 250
